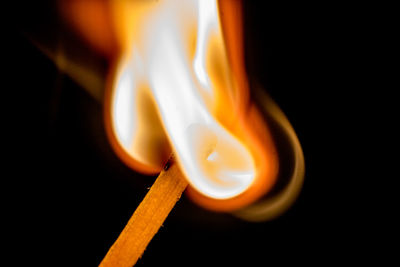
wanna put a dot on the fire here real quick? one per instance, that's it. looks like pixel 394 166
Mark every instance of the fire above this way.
pixel 178 86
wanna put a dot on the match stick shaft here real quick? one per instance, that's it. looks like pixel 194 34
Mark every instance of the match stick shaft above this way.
pixel 147 218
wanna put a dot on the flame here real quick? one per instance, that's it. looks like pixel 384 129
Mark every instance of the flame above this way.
pixel 178 85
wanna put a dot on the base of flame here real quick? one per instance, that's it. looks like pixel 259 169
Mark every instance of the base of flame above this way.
pixel 147 218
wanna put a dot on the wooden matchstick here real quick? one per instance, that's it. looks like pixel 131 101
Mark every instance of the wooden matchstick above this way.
pixel 147 218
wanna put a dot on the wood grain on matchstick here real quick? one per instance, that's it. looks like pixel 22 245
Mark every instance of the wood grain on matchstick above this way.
pixel 147 218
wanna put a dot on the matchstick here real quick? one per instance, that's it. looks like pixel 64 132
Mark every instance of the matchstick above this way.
pixel 147 218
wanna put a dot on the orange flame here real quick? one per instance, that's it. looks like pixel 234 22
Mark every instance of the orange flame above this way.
pixel 247 124
pixel 141 37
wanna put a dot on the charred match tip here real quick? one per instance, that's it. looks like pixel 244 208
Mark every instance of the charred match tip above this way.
pixel 167 165
pixel 170 161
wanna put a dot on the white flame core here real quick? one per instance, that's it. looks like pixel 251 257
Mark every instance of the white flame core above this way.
pixel 213 160
pixel 123 108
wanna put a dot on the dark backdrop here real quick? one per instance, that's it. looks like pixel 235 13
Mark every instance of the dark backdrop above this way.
pixel 73 196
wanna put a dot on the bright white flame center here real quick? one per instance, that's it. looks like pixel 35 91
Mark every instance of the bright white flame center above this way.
pixel 213 160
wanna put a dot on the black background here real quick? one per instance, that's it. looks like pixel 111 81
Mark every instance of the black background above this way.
pixel 73 196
